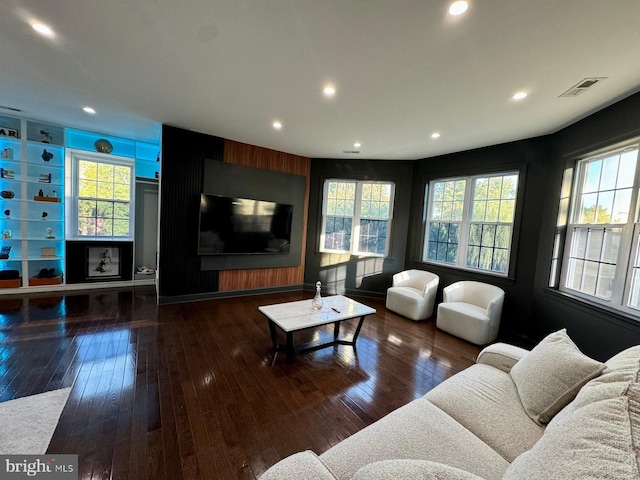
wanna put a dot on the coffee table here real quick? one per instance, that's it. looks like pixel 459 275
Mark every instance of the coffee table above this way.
pixel 293 317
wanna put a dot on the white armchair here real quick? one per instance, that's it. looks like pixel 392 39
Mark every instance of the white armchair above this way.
pixel 413 294
pixel 471 311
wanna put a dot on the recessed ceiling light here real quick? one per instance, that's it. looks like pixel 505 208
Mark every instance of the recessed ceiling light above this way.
pixel 89 110
pixel 43 29
pixel 277 125
pixel 458 8
pixel 519 95
pixel 357 145
pixel 435 135
pixel 329 91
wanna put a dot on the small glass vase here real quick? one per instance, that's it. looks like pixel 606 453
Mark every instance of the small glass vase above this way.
pixel 316 303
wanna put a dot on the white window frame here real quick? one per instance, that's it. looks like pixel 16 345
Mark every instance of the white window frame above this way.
pixel 464 225
pixel 356 217
pixel 628 245
pixel 72 192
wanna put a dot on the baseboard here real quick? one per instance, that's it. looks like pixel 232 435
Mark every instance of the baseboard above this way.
pixel 199 297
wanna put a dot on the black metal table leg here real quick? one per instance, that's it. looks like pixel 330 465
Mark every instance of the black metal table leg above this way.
pixel 291 352
pixel 357 332
pixel 274 337
pixel 336 331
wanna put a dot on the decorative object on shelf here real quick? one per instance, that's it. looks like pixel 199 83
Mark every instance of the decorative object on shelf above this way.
pixel 4 252
pixel 46 276
pixel 46 156
pixel 46 136
pixel 7 194
pixel 9 132
pixel 145 271
pixel 7 212
pixel 9 278
pixel 7 174
pixel 103 146
pixel 40 193
pixel 6 234
pixel 7 153
pixel 40 198
pixel 48 252
pixel 48 233
pixel 54 194
pixel 44 215
pixel 316 303
pixel 44 178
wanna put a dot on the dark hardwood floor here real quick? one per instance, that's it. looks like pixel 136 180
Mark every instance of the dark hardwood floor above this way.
pixel 187 391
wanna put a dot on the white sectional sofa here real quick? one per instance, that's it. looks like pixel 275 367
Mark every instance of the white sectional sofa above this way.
pixel 551 413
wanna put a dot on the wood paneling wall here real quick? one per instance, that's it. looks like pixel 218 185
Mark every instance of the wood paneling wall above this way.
pixel 258 157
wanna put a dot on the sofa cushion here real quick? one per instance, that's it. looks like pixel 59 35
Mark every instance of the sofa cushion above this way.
pixel 420 431
pixel 549 376
pixel 623 367
pixel 299 465
pixel 485 401
pixel 600 441
pixel 411 470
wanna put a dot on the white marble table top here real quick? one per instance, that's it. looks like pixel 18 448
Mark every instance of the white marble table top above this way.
pixel 299 315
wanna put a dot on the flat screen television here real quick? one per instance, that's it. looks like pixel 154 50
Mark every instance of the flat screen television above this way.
pixel 243 226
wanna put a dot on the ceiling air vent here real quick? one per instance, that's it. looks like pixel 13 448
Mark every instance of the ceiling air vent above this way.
pixel 351 151
pixel 582 86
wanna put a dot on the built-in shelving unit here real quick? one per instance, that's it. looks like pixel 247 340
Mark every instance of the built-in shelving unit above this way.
pixel 32 204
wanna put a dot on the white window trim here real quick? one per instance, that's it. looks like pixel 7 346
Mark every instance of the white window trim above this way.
pixel 72 190
pixel 628 241
pixel 355 223
pixel 466 222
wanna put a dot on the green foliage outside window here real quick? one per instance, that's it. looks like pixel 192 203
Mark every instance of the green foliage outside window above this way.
pixel 104 195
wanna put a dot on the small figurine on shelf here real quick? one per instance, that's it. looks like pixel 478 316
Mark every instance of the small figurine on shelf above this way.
pixel 40 193
pixel 44 215
pixel 316 303
pixel 6 234
pixel 7 212
pixel 46 156
pixel 46 136
pixel 48 233
pixel 54 194
pixel 8 174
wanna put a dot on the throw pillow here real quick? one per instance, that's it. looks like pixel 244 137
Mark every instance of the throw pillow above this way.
pixel 549 376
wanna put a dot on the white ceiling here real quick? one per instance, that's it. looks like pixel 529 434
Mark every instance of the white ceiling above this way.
pixel 402 68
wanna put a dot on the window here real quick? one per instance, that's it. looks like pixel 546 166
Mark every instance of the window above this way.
pixel 470 221
pixel 101 194
pixel 356 217
pixel 601 259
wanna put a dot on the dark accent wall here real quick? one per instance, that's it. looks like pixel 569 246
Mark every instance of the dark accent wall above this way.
pixel 350 273
pixel 233 180
pixel 183 153
pixel 531 159
pixel 598 331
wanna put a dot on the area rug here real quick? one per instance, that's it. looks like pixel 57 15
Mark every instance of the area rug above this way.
pixel 27 424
